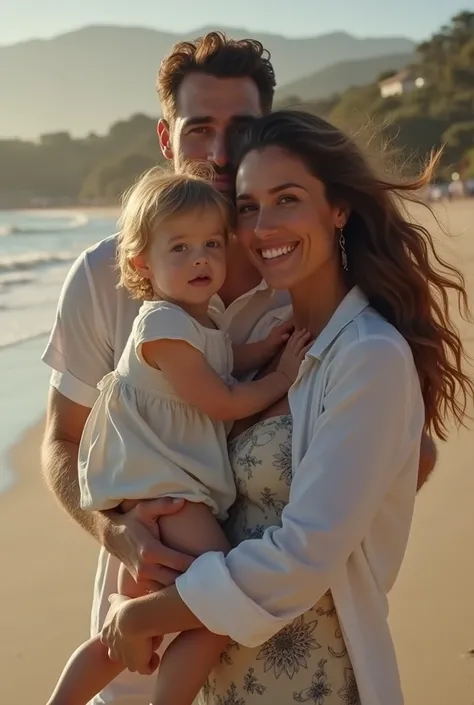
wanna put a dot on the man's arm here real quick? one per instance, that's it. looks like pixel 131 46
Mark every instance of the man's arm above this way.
pixel 131 537
pixel 65 421
pixel 428 457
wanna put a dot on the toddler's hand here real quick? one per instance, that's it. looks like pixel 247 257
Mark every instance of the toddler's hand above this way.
pixel 293 355
pixel 278 336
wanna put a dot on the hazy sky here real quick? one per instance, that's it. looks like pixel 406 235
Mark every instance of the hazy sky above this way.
pixel 25 19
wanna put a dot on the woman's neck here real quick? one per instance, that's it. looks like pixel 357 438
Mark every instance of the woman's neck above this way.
pixel 315 301
pixel 241 274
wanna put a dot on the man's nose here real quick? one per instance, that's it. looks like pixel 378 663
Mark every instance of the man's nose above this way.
pixel 218 153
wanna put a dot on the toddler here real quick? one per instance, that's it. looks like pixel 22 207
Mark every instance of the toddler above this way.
pixel 159 426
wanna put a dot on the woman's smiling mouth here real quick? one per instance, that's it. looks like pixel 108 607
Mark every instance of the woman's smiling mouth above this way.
pixel 270 253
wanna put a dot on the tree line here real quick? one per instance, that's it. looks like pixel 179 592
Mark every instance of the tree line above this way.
pixel 99 168
pixel 438 113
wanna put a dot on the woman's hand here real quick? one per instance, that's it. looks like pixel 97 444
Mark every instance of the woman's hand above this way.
pixel 135 541
pixel 123 638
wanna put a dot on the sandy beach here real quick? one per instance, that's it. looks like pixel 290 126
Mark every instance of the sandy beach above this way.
pixel 48 563
pixel 48 568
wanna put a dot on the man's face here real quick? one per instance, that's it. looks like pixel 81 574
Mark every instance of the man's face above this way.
pixel 209 112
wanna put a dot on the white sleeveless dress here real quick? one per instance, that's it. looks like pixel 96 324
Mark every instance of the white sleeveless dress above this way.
pixel 141 440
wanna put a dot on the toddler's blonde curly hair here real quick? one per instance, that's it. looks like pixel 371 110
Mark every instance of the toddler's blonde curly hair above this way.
pixel 160 194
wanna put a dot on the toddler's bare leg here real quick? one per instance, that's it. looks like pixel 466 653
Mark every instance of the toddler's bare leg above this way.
pixel 89 669
pixel 186 663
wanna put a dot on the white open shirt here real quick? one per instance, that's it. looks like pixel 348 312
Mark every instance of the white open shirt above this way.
pixel 358 416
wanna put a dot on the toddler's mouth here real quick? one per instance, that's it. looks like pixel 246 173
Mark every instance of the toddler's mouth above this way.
pixel 201 280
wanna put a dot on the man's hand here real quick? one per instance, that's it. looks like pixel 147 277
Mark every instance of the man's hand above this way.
pixel 134 539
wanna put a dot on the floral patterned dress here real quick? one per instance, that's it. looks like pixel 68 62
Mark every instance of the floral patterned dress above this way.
pixel 307 661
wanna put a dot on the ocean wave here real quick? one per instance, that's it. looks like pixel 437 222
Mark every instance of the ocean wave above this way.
pixel 78 221
pixel 33 260
pixel 16 338
pixel 15 279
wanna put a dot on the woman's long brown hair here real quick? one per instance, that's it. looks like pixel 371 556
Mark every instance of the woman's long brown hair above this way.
pixel 393 260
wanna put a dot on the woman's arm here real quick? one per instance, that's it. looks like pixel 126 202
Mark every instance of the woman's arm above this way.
pixel 194 380
pixel 370 427
pixel 368 433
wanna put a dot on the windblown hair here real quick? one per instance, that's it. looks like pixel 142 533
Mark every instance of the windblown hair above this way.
pixel 217 55
pixel 393 260
pixel 157 196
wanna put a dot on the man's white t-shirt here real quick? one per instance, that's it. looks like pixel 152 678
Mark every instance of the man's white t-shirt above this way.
pixel 93 321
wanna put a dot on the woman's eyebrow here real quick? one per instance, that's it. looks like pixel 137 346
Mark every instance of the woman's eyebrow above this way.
pixel 274 189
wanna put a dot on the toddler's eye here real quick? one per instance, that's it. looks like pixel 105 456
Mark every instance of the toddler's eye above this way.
pixel 178 248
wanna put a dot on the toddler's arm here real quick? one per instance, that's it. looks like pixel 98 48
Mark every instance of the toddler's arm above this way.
pixel 197 383
pixel 253 356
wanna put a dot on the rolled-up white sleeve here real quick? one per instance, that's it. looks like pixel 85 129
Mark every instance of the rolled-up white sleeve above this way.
pixel 78 350
pixel 357 446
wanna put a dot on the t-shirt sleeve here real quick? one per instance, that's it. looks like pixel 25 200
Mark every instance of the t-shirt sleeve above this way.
pixel 79 349
pixel 168 322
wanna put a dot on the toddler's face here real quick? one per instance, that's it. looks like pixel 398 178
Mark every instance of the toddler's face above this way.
pixel 186 259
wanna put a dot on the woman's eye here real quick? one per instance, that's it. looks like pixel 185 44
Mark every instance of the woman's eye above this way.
pixel 287 199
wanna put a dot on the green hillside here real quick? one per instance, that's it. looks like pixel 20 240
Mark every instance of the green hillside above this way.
pixel 440 113
pixel 341 76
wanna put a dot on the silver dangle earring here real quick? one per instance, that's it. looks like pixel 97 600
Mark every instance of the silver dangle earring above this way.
pixel 342 246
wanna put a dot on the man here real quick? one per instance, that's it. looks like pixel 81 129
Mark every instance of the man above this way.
pixel 209 89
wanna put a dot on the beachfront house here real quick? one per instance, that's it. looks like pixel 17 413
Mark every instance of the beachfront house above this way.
pixel 400 83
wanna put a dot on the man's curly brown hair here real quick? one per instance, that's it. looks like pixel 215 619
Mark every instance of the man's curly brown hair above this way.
pixel 216 55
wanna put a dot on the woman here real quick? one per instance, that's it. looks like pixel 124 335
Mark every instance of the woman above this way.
pixel 326 478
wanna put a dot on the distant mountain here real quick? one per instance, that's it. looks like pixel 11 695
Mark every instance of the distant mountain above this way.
pixel 85 80
pixel 341 76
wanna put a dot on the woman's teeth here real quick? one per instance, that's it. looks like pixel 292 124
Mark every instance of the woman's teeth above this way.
pixel 277 251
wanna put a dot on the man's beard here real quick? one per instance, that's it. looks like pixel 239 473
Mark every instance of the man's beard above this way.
pixel 210 171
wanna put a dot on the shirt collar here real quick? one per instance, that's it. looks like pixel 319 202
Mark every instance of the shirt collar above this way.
pixel 217 302
pixel 350 307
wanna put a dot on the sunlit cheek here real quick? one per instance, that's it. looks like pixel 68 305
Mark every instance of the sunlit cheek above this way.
pixel 174 264
pixel 217 256
pixel 195 147
pixel 245 229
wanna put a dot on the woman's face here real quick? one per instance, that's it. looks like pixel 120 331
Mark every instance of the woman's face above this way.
pixel 285 220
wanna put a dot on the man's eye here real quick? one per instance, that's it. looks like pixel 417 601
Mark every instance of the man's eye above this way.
pixel 202 130
pixel 248 208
